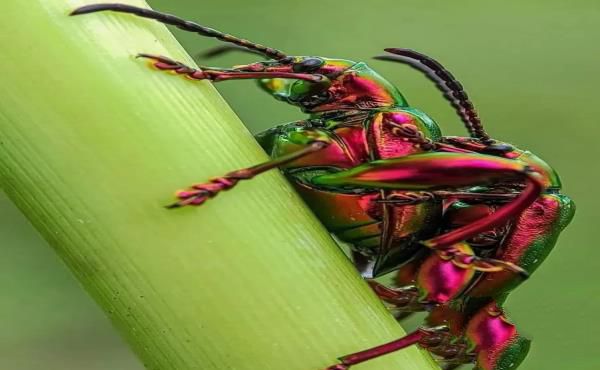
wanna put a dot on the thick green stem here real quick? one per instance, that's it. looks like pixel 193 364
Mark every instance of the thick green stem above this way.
pixel 93 143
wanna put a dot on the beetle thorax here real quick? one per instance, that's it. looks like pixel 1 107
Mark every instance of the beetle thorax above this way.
pixel 360 88
pixel 347 85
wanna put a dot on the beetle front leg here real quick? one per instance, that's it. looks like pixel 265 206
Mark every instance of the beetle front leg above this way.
pixel 433 171
pixel 167 64
pixel 223 74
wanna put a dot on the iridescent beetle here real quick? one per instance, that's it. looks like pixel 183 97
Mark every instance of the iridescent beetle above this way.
pixel 462 219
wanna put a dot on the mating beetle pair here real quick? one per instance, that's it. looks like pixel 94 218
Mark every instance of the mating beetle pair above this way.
pixel 462 219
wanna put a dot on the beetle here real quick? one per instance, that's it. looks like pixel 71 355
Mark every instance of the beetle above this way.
pixel 462 219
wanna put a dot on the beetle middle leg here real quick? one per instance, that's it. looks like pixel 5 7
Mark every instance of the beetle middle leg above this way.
pixel 199 193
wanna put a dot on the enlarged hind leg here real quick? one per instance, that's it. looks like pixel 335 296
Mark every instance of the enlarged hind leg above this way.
pixel 432 171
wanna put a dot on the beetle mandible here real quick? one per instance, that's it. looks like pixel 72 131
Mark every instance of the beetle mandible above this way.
pixel 462 219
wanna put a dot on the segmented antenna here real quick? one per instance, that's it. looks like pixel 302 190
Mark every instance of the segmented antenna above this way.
pixel 444 80
pixel 224 49
pixel 181 24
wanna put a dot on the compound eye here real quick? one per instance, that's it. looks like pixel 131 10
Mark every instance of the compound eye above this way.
pixel 308 65
pixel 286 60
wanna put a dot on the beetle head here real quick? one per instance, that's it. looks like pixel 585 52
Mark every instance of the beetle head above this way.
pixel 330 84
pixel 314 84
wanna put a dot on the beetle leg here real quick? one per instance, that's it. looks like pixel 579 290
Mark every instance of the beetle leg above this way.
pixel 444 275
pixel 474 196
pixel 438 278
pixel 200 193
pixel 223 74
pixel 398 297
pixel 474 333
pixel 425 337
pixel 431 171
pixel 470 261
pixel 420 197
pixel 167 64
pixel 407 198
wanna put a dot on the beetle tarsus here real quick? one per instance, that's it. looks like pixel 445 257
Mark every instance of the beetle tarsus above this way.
pixel 378 351
pixel 469 261
pixel 400 298
pixel 198 194
pixel 167 64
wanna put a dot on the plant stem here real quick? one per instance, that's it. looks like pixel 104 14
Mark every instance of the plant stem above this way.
pixel 93 143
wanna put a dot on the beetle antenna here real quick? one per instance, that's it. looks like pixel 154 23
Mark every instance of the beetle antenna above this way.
pixel 446 82
pixel 224 49
pixel 181 24
pixel 440 84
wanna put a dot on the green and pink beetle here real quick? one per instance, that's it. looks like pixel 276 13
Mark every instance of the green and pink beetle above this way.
pixel 463 220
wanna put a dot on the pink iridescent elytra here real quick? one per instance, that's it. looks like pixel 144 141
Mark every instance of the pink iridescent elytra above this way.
pixel 462 220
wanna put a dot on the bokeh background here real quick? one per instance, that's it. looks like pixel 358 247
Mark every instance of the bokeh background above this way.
pixel 530 66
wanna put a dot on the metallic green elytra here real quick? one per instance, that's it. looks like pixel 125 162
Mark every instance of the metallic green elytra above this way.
pixel 463 220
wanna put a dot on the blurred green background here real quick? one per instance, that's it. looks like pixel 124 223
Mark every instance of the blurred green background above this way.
pixel 531 67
